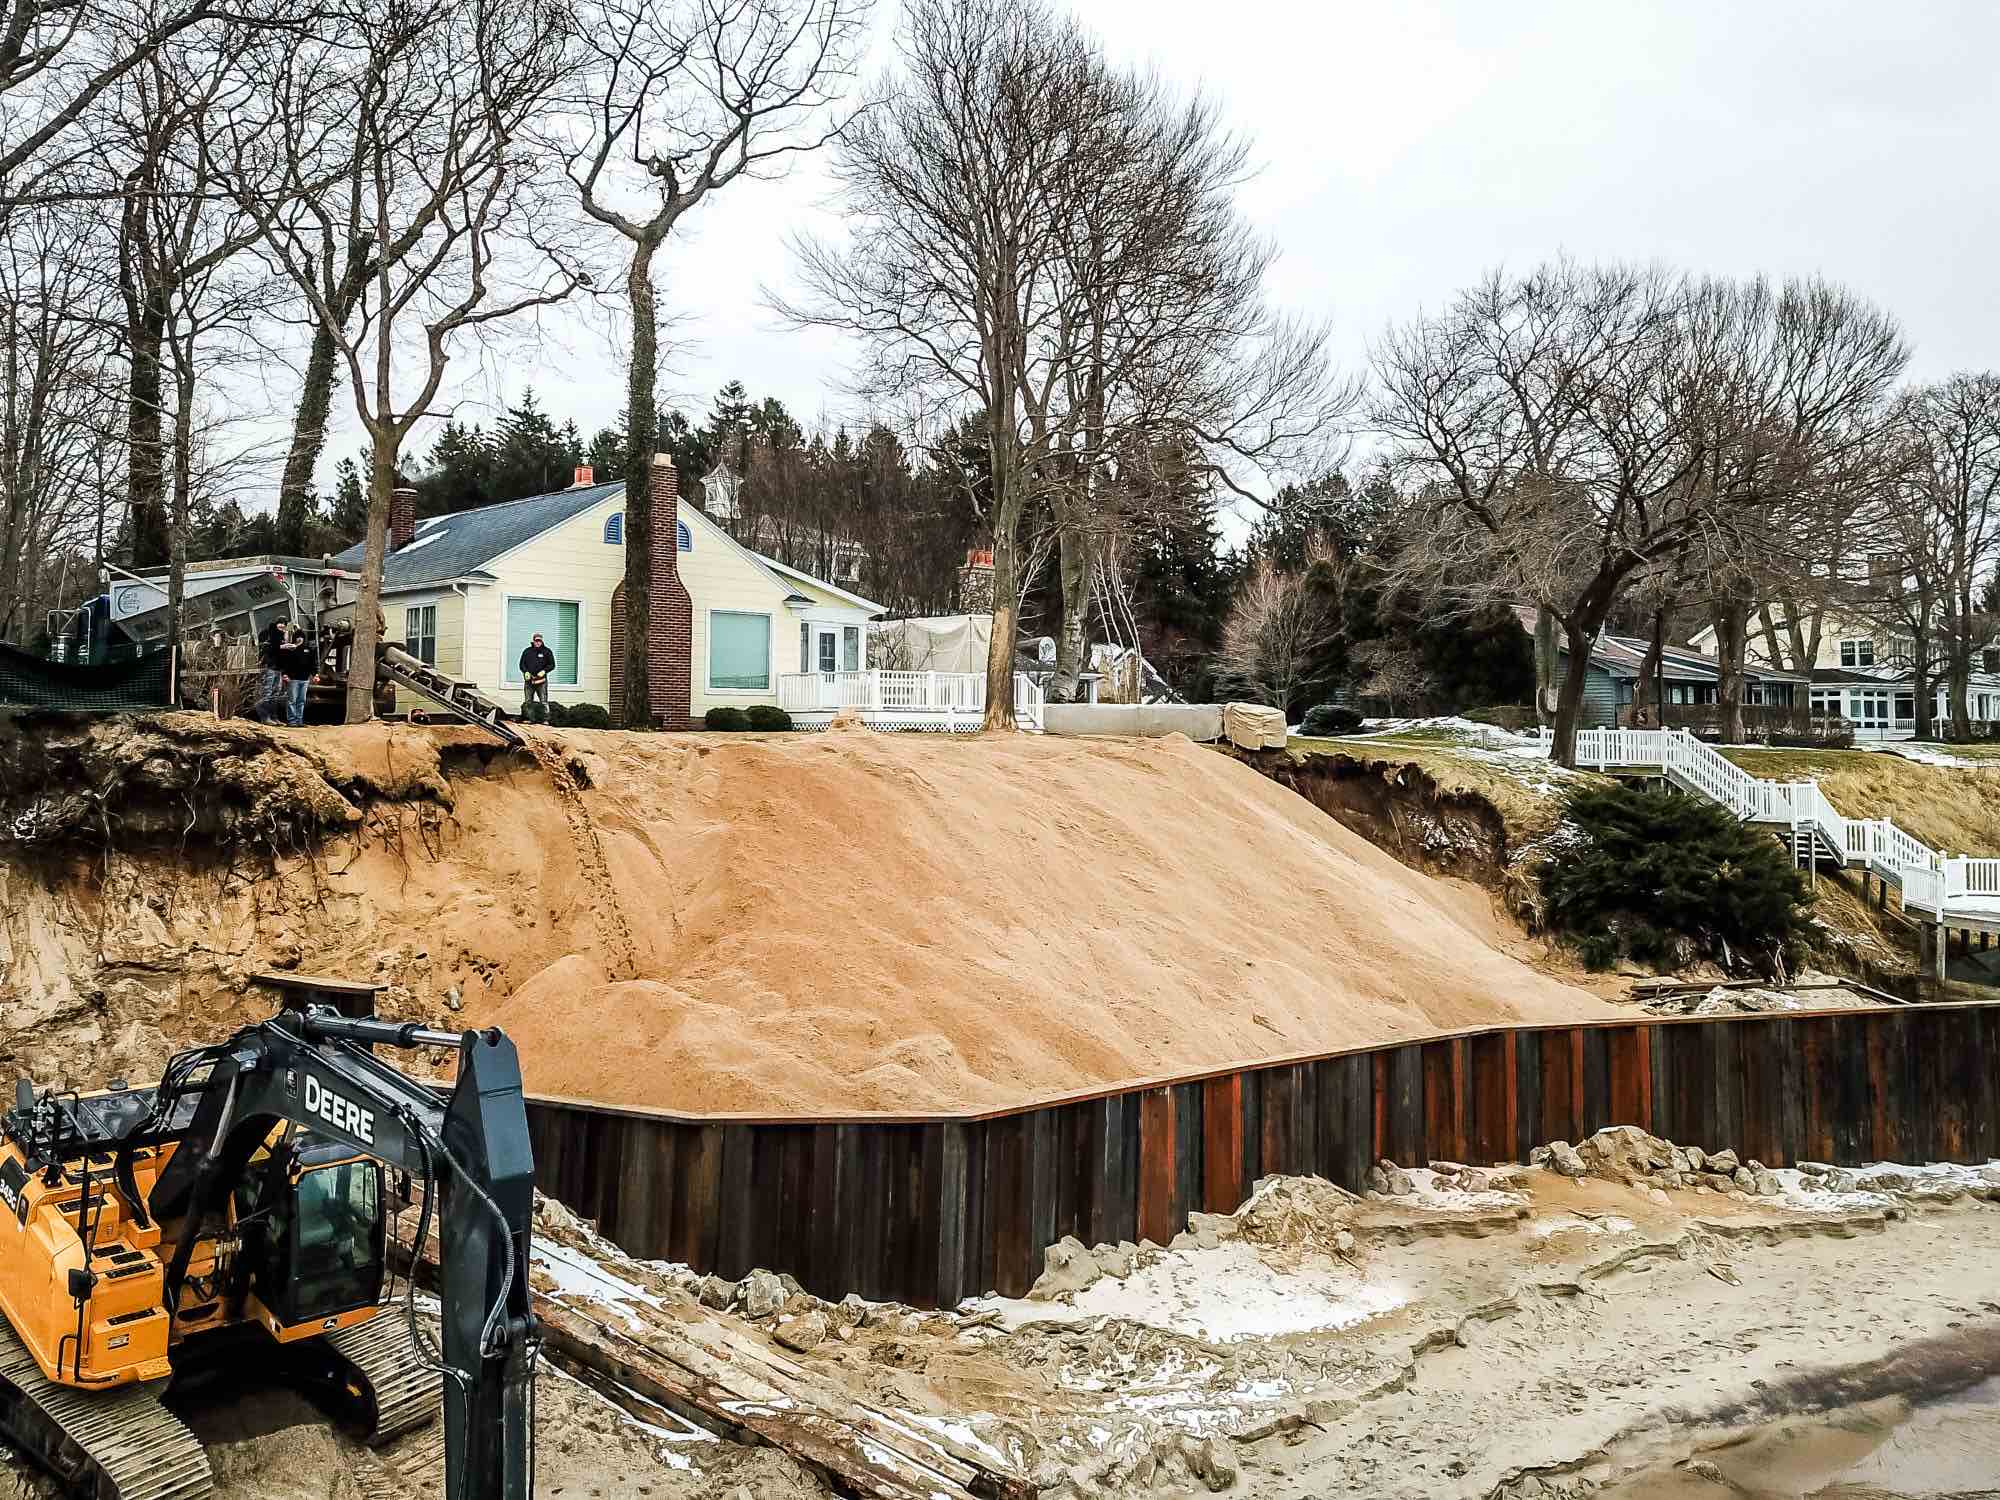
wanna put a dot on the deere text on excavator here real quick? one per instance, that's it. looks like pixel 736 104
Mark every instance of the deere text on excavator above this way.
pixel 146 1231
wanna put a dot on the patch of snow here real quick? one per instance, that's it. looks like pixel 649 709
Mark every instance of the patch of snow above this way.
pixel 1218 1295
pixel 1429 1195
pixel 1878 1185
pixel 681 1431
pixel 960 1432
pixel 1542 1229
pixel 1923 755
pixel 578 1276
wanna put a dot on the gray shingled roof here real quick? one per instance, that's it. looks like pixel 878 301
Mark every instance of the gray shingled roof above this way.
pixel 466 541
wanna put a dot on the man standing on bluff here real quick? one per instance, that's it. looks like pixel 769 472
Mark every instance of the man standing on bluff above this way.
pixel 536 664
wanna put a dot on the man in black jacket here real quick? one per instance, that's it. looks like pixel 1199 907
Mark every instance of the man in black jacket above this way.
pixel 270 705
pixel 536 664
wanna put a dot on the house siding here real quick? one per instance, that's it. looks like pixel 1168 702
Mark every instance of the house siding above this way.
pixel 450 608
pixel 571 561
pixel 720 575
pixel 1600 695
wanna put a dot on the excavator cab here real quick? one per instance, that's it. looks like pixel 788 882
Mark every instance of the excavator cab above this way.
pixel 315 1234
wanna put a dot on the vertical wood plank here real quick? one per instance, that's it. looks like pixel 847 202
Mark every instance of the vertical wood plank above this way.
pixel 1597 1112
pixel 1527 1093
pixel 1406 1106
pixel 1461 1088
pixel 1158 1140
pixel 1222 1144
pixel 1189 1154
pixel 1577 1128
pixel 1559 1111
pixel 1438 1104
pixel 1379 1093
pixel 954 1193
pixel 1040 1182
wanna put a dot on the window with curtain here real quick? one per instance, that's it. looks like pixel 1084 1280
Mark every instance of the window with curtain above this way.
pixel 739 651
pixel 420 632
pixel 555 621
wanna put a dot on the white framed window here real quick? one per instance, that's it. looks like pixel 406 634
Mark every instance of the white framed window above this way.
pixel 420 632
pixel 850 648
pixel 739 651
pixel 1859 652
pixel 1868 709
pixel 559 622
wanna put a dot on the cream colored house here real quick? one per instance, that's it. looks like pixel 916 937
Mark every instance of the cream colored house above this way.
pixel 467 592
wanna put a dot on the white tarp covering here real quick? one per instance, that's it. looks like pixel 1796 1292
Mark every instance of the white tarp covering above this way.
pixel 1251 726
pixel 939 643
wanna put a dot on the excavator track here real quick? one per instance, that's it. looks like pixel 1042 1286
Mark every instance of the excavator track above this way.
pixel 385 1388
pixel 103 1445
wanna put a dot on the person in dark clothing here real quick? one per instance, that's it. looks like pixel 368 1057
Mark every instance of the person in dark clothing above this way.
pixel 270 704
pixel 536 664
pixel 300 662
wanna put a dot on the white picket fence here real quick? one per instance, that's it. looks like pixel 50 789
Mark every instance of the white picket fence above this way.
pixel 948 702
pixel 1930 881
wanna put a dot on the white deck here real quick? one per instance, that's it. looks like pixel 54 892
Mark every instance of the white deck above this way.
pixel 926 702
pixel 1951 891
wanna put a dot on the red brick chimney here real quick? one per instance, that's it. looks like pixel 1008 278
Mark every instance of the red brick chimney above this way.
pixel 402 516
pixel 670 643
pixel 583 479
pixel 975 582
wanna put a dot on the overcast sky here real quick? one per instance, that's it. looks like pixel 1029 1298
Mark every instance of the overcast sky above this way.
pixel 1406 147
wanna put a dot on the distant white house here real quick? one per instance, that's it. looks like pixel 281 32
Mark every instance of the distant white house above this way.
pixel 1863 673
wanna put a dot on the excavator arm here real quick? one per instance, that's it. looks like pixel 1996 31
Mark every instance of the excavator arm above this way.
pixel 316 1069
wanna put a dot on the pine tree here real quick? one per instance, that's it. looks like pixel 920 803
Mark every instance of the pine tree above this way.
pixel 606 455
pixel 350 501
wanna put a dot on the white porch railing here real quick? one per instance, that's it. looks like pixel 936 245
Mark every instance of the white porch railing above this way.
pixel 1930 882
pixel 890 697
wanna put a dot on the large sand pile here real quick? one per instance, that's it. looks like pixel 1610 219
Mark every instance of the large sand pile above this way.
pixel 793 924
pixel 874 922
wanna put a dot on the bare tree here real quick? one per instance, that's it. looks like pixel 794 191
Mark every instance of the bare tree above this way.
pixel 1936 534
pixel 1182 378
pixel 1050 243
pixel 1793 410
pixel 961 191
pixel 675 103
pixel 182 273
pixel 1280 629
pixel 58 400
pixel 440 97
pixel 57 60
pixel 1562 431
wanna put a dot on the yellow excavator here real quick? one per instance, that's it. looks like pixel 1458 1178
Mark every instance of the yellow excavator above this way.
pixel 147 1234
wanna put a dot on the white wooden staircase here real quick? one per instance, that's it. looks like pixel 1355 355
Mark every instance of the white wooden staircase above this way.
pixel 1954 892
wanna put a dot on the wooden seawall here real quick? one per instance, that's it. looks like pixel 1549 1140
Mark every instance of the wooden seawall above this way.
pixel 930 1209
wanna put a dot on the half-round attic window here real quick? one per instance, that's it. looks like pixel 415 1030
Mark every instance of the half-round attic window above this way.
pixel 683 538
pixel 614 529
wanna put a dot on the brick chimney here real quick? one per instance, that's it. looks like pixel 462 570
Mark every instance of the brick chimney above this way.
pixel 402 517
pixel 975 582
pixel 670 643
pixel 583 480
